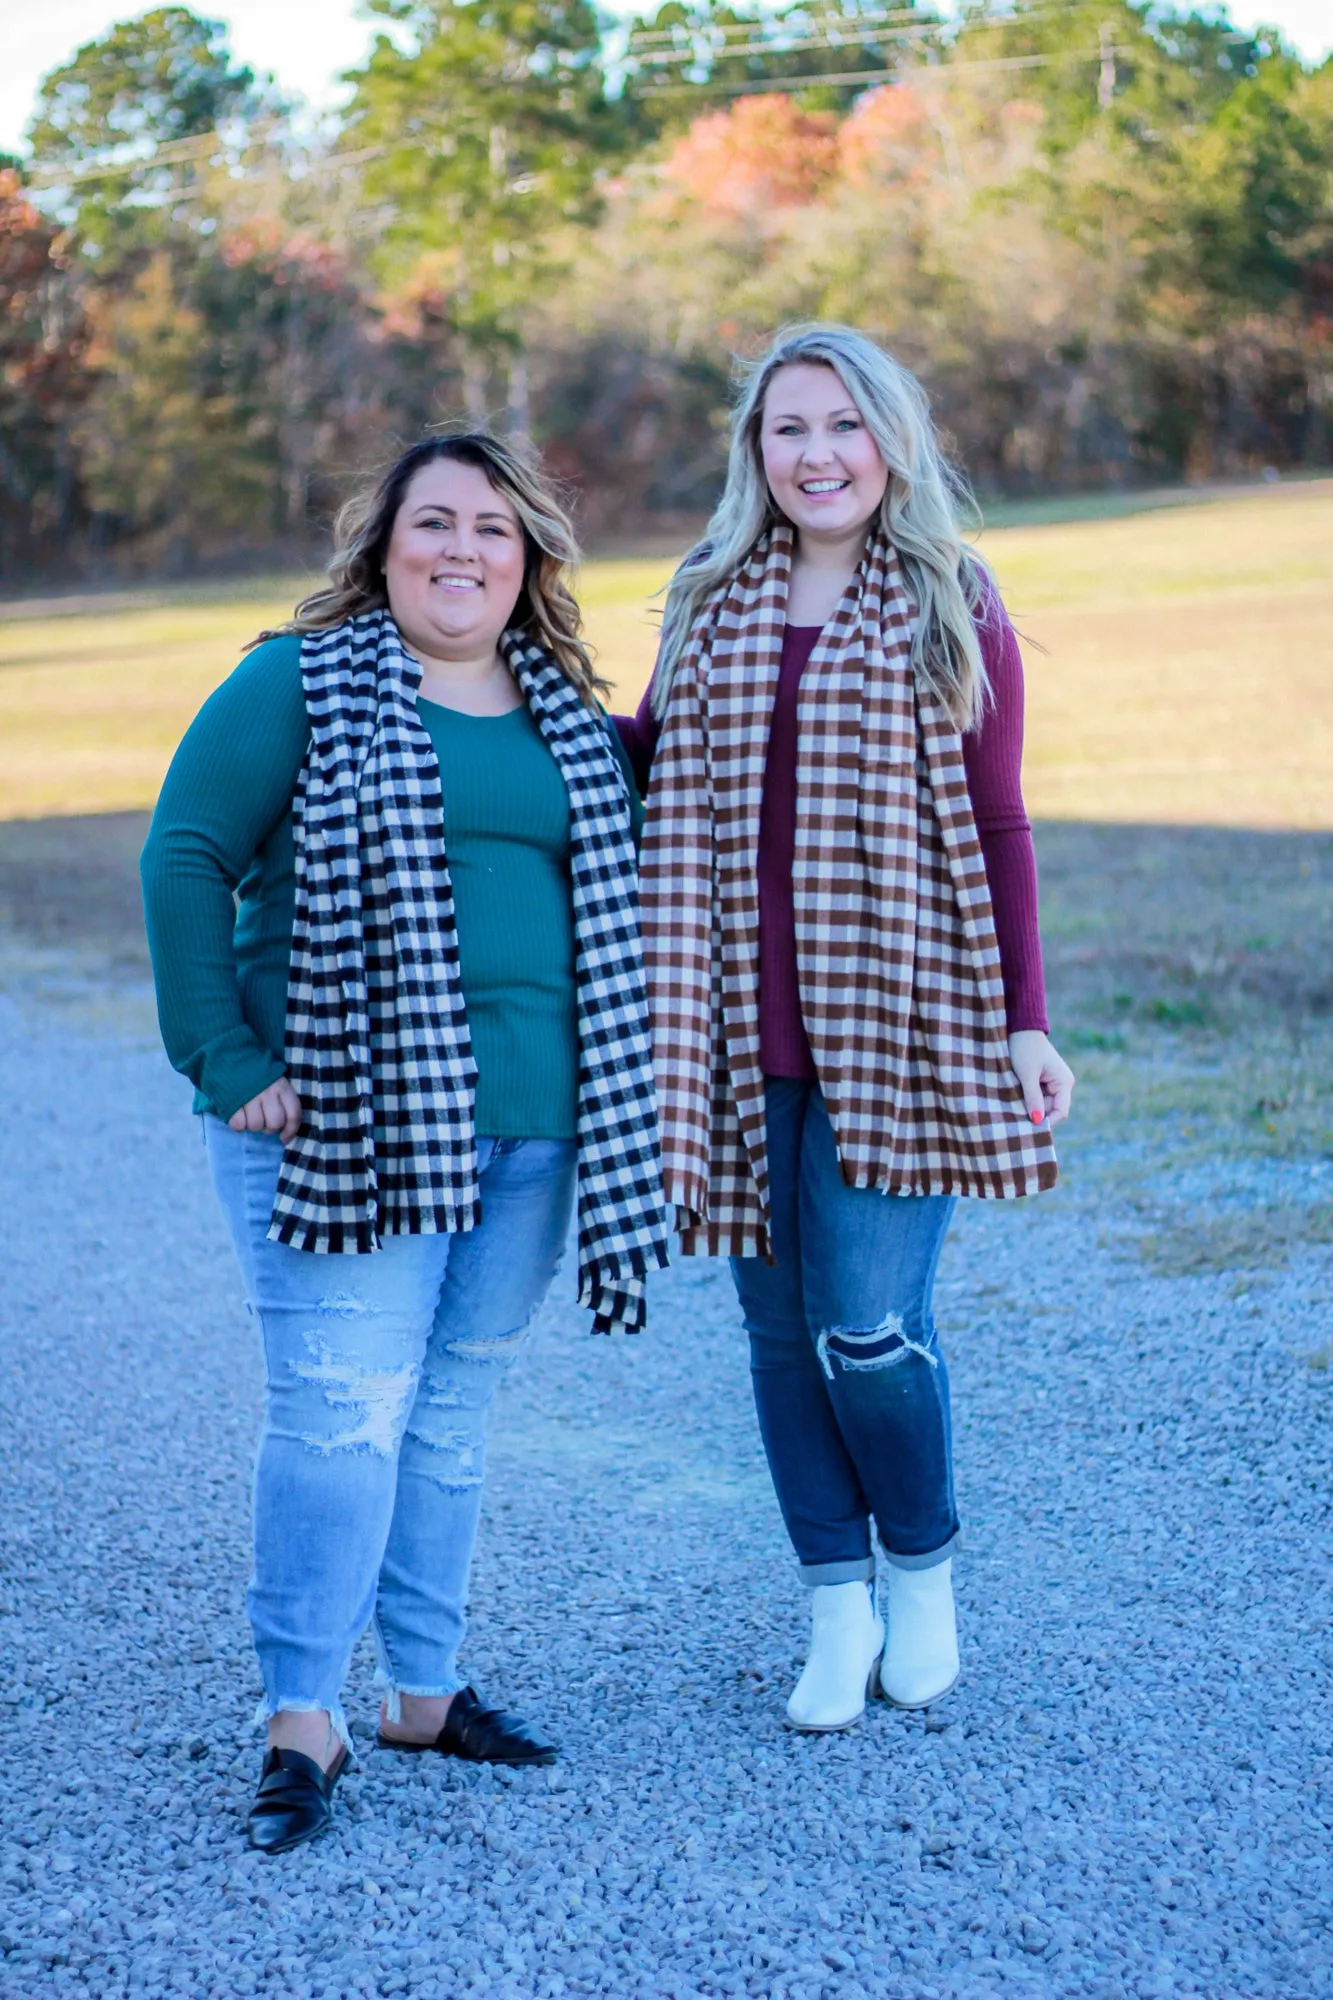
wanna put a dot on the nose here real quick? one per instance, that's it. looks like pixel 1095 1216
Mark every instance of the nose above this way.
pixel 461 543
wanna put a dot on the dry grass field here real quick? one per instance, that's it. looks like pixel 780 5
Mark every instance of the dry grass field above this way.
pixel 1180 666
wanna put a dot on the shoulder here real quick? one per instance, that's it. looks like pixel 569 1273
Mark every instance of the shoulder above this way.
pixel 994 629
pixel 266 683
pixel 697 558
pixel 273 663
pixel 988 613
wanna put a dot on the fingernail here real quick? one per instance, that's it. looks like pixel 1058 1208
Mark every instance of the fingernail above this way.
pixel 1036 1117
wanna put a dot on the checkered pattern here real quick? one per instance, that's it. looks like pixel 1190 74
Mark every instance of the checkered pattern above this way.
pixel 378 1048
pixel 897 959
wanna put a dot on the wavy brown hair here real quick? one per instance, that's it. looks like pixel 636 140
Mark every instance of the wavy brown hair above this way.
pixel 546 610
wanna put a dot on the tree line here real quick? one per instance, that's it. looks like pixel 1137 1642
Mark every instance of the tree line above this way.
pixel 1102 233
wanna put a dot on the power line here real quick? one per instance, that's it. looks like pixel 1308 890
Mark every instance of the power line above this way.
pixel 917 74
pixel 718 41
pixel 186 152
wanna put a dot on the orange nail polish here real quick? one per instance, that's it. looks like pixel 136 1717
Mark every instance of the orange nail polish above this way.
pixel 1037 1117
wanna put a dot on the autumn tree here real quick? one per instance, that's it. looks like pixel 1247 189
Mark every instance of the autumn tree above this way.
pixel 762 154
pixel 118 127
pixel 490 130
pixel 43 384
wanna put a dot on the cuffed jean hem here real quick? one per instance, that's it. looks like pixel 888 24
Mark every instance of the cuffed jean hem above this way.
pixel 860 1569
pixel 932 1560
pixel 267 1709
pixel 393 1692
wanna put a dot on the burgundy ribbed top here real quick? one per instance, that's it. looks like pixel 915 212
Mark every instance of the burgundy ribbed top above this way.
pixel 993 759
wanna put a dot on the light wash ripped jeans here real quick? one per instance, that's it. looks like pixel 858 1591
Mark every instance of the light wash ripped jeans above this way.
pixel 381 1370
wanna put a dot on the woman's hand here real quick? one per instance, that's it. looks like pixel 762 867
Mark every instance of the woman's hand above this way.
pixel 277 1109
pixel 1046 1079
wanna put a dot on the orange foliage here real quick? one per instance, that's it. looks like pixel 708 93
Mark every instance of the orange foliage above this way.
pixel 285 256
pixel 762 153
pixel 888 136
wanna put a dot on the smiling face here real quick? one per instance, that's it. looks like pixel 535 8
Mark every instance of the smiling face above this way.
pixel 824 469
pixel 455 562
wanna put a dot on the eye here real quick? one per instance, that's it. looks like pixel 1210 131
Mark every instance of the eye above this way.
pixel 789 430
pixel 847 424
pixel 496 528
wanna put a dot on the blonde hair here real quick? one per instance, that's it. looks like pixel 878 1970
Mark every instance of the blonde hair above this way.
pixel 919 513
pixel 546 610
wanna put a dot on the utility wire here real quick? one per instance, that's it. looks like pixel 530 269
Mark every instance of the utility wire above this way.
pixel 916 74
pixel 913 31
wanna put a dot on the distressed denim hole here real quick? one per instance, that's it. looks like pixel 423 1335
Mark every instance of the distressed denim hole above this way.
pixel 458 1458
pixel 346 1305
pixel 867 1347
pixel 490 1347
pixel 377 1400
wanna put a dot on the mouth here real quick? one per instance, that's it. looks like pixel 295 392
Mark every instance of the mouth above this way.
pixel 817 488
pixel 459 583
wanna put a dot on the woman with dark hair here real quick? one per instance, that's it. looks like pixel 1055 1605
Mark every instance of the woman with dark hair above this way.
pixel 390 899
pixel 840 919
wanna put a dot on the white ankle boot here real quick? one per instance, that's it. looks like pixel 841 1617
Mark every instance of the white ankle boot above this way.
pixel 921 1657
pixel 846 1640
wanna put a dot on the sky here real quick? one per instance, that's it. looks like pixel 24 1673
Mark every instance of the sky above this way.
pixel 306 43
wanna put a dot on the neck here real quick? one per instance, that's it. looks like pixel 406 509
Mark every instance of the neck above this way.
pixel 473 682
pixel 474 664
pixel 820 572
pixel 830 554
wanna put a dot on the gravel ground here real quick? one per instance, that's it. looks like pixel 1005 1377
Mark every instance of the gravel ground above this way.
pixel 1129 1793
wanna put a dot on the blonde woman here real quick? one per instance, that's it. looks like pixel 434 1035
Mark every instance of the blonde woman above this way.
pixel 419 1025
pixel 844 970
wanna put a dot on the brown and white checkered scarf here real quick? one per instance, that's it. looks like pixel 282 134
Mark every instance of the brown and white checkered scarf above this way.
pixel 897 957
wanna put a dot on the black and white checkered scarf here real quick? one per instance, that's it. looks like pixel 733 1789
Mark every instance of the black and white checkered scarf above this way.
pixel 378 1048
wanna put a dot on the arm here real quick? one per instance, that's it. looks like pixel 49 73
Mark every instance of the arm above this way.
pixel 229 785
pixel 639 734
pixel 993 757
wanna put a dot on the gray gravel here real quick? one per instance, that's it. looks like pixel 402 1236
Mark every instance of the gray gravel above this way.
pixel 1129 1793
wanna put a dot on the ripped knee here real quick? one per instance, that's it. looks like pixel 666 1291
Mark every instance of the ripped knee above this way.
pixel 869 1347
pixel 374 1401
pixel 454 1459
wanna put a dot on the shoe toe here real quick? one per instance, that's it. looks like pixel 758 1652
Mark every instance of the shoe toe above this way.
pixel 294 1801
pixel 492 1735
pixel 272 1832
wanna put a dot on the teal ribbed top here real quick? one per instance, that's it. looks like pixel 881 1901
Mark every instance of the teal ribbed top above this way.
pixel 223 824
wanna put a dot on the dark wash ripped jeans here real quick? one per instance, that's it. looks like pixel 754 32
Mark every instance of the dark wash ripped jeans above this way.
pixel 849 1383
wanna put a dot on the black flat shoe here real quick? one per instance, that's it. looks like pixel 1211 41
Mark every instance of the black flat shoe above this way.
pixel 482 1735
pixel 294 1801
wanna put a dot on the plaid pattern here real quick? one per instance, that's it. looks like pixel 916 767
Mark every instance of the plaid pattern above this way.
pixel 378 1048
pixel 897 958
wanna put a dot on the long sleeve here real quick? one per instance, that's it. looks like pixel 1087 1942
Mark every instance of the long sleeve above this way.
pixel 639 734
pixel 229 786
pixel 993 758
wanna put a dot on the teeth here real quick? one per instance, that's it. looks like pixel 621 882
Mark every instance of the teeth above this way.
pixel 459 582
pixel 823 485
